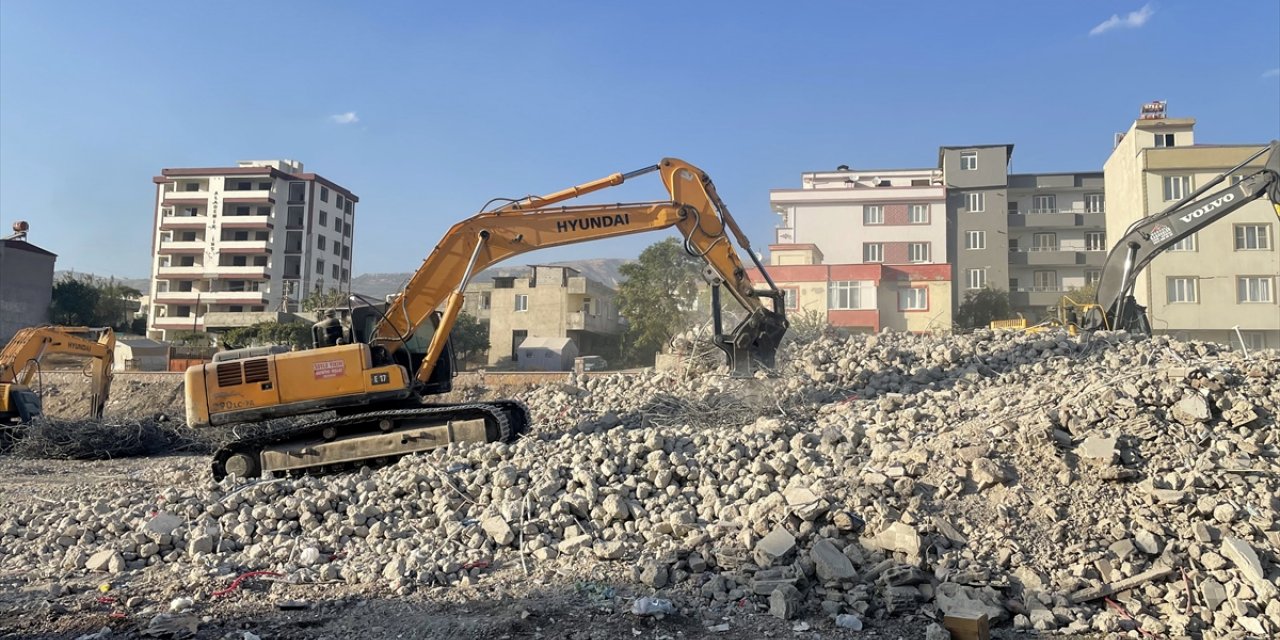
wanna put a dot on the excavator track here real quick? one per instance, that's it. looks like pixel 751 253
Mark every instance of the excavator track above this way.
pixel 370 438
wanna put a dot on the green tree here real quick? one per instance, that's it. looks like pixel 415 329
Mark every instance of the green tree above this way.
pixel 981 307
pixel 289 334
pixel 470 336
pixel 321 300
pixel 190 338
pixel 656 296
pixel 75 302
pixel 1087 294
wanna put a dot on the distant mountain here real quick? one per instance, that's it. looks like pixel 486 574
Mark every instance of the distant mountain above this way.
pixel 603 270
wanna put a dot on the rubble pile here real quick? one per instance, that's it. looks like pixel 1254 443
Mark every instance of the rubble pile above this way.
pixel 1099 484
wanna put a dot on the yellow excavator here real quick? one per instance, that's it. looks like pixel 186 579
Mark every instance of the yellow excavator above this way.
pixel 23 358
pixel 374 365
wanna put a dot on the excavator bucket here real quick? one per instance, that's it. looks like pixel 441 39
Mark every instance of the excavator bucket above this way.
pixel 753 345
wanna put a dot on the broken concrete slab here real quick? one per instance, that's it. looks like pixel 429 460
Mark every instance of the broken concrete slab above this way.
pixel 830 563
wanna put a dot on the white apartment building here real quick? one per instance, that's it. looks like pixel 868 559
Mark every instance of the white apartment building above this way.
pixel 257 237
pixel 854 216
pixel 1218 281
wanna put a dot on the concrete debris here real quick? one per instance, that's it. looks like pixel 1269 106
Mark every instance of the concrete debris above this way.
pixel 960 478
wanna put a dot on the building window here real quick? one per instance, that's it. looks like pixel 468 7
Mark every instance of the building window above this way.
pixel 975 240
pixel 1044 204
pixel 873 214
pixel 918 214
pixel 1092 276
pixel 337 248
pixel 346 275
pixel 522 302
pixel 792 296
pixel 190 211
pixel 1164 139
pixel 335 272
pixel 1183 289
pixel 347 207
pixel 975 202
pixel 1254 340
pixel 1095 203
pixel 873 252
pixel 913 299
pixel 917 252
pixel 1044 242
pixel 968 160
pixel 341 201
pixel 1176 187
pixel 851 294
pixel 1045 280
pixel 977 278
pixel 1095 241
pixel 1253 237
pixel 242 211
pixel 1012 207
pixel 324 218
pixel 191 186
pixel 320 242
pixel 320 268
pixel 264 211
pixel 1254 289
pixel 324 194
pixel 297 192
pixel 1186 244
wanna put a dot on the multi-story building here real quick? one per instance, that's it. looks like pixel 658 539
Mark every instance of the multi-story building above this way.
pixel 865 249
pixel 26 285
pixel 257 237
pixel 1218 281
pixel 552 302
pixel 1038 235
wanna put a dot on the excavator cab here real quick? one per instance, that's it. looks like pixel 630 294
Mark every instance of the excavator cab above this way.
pixel 356 324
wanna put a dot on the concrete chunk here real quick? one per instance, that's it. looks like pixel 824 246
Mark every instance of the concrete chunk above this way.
pixel 1246 560
pixel 830 563
pixel 163 524
pixel 1100 449
pixel 774 546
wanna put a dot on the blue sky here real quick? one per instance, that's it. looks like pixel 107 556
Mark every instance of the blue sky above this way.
pixel 456 103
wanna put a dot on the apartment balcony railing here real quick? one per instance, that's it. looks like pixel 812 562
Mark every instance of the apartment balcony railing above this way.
pixel 257 196
pixel 580 321
pixel 237 272
pixel 245 246
pixel 178 297
pixel 187 247
pixel 246 222
pixel 170 223
pixel 1056 218
pixel 185 198
pixel 225 297
pixel 190 322
pixel 180 272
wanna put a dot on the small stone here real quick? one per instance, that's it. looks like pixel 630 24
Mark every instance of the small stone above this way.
pixel 784 601
pixel 1096 448
pixel 935 631
pixel 896 537
pixel 1212 561
pixel 570 545
pixel 309 557
pixel 163 524
pixel 1224 513
pixel 830 563
pixel 1147 542
pixel 774 547
pixel 1192 409
pixel 611 550
pixel 1201 533
pixel 199 545
pixel 986 473
pixel 102 560
pixel 497 528
pixel 849 621
pixel 1214 593
pixel 1246 560
pixel 617 508
pixel 654 574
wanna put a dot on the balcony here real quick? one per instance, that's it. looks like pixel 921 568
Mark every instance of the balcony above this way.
pixel 178 323
pixel 245 246
pixel 1047 256
pixel 179 297
pixel 170 223
pixel 185 199
pixel 581 321
pixel 185 247
pixel 237 272
pixel 246 222
pixel 1056 219
pixel 263 196
pixel 233 297
pixel 180 273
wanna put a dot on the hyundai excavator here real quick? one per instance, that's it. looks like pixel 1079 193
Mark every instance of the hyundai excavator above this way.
pixel 373 366
pixel 1150 236
pixel 21 361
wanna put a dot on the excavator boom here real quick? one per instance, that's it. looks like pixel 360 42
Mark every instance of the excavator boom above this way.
pixel 22 357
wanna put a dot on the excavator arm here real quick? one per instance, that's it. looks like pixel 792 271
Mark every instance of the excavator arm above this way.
pixel 534 223
pixel 21 359
pixel 1154 234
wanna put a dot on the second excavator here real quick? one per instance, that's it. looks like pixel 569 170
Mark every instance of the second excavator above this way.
pixel 374 366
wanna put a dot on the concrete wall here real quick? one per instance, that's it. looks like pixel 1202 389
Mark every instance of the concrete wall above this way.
pixel 26 286
pixel 989 178
pixel 555 310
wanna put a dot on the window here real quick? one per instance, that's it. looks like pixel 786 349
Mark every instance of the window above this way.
pixel 341 201
pixel 337 223
pixel 851 294
pixel 1092 276
pixel 918 214
pixel 1164 139
pixel 975 202
pixel 1095 241
pixel 294 217
pixel 242 211
pixel 914 299
pixel 346 252
pixel 1254 340
pixel 1254 289
pixel 792 297
pixel 1186 244
pixel 346 275
pixel 297 192
pixel 324 194
pixel 320 242
pixel 522 302
pixel 968 160
pixel 873 214
pixel 335 272
pixel 917 252
pixel 191 211
pixel 1253 237
pixel 264 186
pixel 977 278
pixel 337 249
pixel 347 207
pixel 873 252
pixel 1095 203
pixel 242 185
pixel 1013 207
pixel 1182 289
pixel 1176 187
pixel 975 240
pixel 324 218
pixel 1013 245
pixel 1044 242
pixel 264 211
pixel 1046 280
pixel 191 186
pixel 320 268
pixel 1044 204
